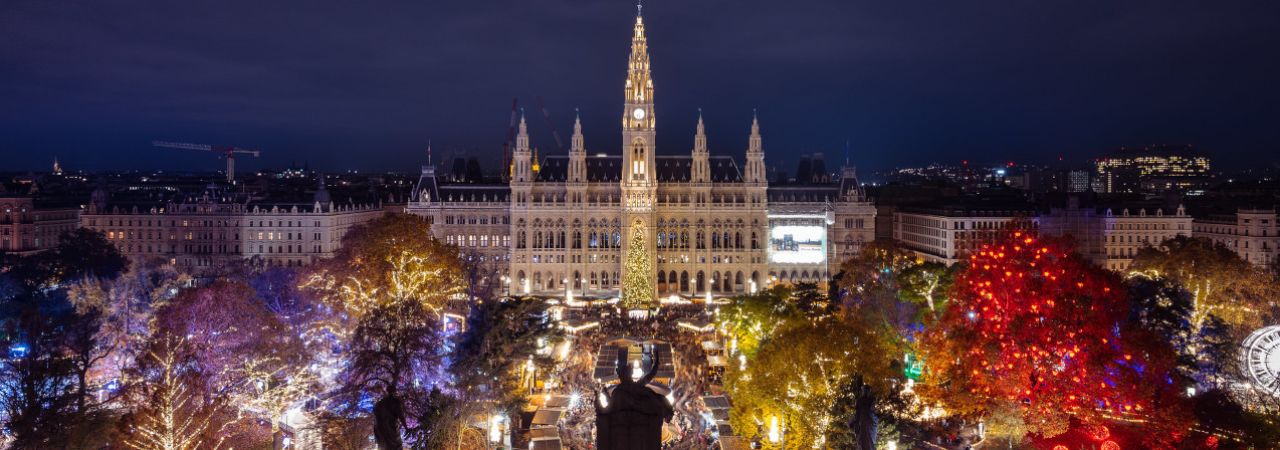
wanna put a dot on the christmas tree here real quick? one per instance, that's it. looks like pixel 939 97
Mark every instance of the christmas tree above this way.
pixel 638 288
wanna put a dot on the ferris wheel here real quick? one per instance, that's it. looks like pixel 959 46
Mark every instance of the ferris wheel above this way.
pixel 1260 357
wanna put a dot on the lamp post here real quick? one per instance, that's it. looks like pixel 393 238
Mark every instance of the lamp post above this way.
pixel 777 433
pixel 495 430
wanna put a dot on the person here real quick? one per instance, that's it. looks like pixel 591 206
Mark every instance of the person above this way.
pixel 633 415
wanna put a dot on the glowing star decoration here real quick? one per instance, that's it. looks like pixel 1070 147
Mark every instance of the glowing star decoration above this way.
pixel 1260 356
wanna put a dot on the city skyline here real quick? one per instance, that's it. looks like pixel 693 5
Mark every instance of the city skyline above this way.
pixel 362 89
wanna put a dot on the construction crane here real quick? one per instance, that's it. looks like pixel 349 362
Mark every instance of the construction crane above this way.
pixel 227 152
pixel 506 146
pixel 546 114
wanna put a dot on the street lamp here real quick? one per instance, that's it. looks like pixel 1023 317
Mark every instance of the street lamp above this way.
pixel 495 429
pixel 776 433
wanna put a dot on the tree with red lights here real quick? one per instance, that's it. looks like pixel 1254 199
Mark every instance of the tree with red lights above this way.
pixel 1034 325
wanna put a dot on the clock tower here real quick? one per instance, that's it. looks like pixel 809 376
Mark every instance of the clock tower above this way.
pixel 639 180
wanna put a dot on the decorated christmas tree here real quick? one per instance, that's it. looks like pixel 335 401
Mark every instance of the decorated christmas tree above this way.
pixel 638 288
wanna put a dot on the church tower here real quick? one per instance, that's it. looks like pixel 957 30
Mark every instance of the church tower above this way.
pixel 577 154
pixel 700 172
pixel 521 165
pixel 755 155
pixel 639 181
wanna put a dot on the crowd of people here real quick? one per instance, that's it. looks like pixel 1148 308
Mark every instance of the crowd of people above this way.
pixel 688 429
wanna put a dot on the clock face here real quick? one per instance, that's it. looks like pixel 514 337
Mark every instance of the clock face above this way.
pixel 638 113
pixel 1261 358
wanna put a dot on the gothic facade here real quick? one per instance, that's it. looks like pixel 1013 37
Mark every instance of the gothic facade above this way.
pixel 638 224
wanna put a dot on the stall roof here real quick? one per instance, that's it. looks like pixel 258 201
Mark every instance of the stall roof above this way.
pixel 544 432
pixel 716 402
pixel 548 416
pixel 734 443
pixel 545 444
pixel 558 401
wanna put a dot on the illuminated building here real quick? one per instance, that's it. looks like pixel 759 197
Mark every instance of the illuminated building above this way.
pixel 949 234
pixel 564 222
pixel 27 229
pixel 210 231
pixel 1153 169
pixel 1111 236
pixel 1108 236
pixel 1254 234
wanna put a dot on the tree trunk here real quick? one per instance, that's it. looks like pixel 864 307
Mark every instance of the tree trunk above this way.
pixel 865 423
pixel 388 414
pixel 277 435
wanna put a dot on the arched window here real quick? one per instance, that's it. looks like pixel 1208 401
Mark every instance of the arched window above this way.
pixel 638 159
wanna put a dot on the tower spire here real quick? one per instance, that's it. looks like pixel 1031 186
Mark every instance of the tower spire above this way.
pixel 700 171
pixel 575 142
pixel 755 153
pixel 577 152
pixel 521 170
pixel 639 87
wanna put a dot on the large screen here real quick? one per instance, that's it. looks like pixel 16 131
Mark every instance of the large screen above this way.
pixel 798 244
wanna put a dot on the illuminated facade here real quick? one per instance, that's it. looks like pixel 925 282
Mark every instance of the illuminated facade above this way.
pixel 25 229
pixel 1110 237
pixel 1254 234
pixel 206 232
pixel 950 234
pixel 1153 169
pixel 564 224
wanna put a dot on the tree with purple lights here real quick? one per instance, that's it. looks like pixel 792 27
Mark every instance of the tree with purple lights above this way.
pixel 387 290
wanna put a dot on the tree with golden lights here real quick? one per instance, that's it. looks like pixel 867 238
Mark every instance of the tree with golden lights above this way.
pixel 638 286
pixel 171 416
pixel 388 288
pixel 1222 285
pixel 800 374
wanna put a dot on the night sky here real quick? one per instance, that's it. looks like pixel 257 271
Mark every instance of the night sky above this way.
pixel 365 84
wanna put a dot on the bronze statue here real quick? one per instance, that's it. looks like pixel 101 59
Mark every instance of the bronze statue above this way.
pixel 631 416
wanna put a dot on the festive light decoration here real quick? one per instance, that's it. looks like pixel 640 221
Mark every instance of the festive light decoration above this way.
pixel 638 288
pixel 1100 432
pixel 1034 324
pixel 1110 445
pixel 174 418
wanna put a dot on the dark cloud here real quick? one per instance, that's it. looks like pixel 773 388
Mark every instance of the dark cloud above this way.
pixel 365 84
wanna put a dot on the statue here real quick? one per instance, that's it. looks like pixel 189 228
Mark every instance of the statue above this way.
pixel 630 416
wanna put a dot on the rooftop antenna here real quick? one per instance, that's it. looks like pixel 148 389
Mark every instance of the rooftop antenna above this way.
pixel 639 7
pixel 428 151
